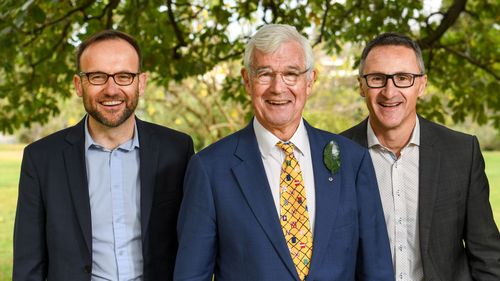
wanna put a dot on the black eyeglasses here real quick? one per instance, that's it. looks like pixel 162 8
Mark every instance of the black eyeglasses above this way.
pixel 100 78
pixel 289 77
pixel 400 80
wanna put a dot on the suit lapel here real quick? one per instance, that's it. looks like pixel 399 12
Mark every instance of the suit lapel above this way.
pixel 252 180
pixel 359 134
pixel 148 166
pixel 327 189
pixel 429 164
pixel 74 157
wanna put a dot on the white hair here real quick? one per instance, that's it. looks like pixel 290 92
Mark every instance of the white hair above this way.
pixel 269 38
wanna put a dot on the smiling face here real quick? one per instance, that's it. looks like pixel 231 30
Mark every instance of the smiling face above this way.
pixel 392 108
pixel 278 106
pixel 110 105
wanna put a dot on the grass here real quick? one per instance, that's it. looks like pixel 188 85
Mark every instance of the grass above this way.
pixel 10 162
pixel 492 160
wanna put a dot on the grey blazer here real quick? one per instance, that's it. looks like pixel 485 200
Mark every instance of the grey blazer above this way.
pixel 458 237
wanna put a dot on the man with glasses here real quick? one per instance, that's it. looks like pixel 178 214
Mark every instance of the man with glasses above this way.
pixel 431 179
pixel 261 204
pixel 99 201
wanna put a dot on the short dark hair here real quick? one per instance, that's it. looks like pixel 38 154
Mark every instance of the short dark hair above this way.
pixel 104 35
pixel 392 39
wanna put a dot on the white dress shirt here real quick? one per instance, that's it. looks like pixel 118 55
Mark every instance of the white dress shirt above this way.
pixel 397 180
pixel 273 157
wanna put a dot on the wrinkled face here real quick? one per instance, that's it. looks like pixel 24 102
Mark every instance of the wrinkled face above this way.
pixel 110 104
pixel 391 107
pixel 278 106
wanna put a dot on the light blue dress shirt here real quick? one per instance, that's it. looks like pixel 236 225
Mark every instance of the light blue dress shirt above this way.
pixel 114 189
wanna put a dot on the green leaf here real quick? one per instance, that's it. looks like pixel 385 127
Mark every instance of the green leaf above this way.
pixel 331 157
pixel 38 14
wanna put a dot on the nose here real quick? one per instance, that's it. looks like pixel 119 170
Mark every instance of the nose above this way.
pixel 390 89
pixel 277 84
pixel 111 86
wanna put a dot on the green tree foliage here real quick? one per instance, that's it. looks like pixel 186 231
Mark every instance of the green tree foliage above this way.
pixel 187 39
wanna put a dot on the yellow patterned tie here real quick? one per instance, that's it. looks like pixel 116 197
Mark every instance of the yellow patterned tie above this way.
pixel 294 216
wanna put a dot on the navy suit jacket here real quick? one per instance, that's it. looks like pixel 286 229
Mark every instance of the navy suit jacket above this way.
pixel 228 224
pixel 458 236
pixel 52 233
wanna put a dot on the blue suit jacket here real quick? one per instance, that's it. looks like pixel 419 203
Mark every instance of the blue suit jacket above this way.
pixel 228 225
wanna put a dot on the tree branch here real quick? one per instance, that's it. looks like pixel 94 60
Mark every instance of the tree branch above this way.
pixel 230 56
pixel 37 31
pixel 84 6
pixel 62 38
pixel 110 7
pixel 472 61
pixel 429 61
pixel 323 24
pixel 428 18
pixel 450 17
pixel 270 5
pixel 177 31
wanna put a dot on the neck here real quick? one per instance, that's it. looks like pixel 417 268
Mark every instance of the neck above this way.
pixel 111 137
pixel 284 134
pixel 395 139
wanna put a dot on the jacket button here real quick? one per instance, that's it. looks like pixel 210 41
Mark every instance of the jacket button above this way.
pixel 87 269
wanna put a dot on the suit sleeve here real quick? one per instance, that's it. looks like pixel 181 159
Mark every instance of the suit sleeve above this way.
pixel 374 254
pixel 30 250
pixel 482 239
pixel 196 227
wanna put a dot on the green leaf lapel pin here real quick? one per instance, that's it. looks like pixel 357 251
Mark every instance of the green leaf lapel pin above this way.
pixel 331 156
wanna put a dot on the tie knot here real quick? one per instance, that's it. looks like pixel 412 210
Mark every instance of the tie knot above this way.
pixel 286 146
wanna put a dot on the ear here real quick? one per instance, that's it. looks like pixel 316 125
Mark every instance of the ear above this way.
pixel 246 79
pixel 77 82
pixel 143 79
pixel 360 83
pixel 310 82
pixel 422 85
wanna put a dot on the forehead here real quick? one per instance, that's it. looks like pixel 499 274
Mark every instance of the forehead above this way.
pixel 289 55
pixel 391 59
pixel 117 52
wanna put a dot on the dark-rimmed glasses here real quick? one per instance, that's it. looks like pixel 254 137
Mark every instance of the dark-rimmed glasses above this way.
pixel 400 80
pixel 289 77
pixel 100 78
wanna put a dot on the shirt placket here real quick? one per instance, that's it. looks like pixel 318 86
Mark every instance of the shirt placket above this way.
pixel 119 223
pixel 400 221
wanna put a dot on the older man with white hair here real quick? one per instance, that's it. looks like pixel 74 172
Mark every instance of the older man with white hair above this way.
pixel 280 200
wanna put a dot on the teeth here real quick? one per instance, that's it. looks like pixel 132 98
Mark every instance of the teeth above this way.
pixel 278 102
pixel 112 102
pixel 390 104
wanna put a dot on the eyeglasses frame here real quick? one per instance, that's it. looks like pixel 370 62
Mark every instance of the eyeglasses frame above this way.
pixel 391 76
pixel 275 73
pixel 81 73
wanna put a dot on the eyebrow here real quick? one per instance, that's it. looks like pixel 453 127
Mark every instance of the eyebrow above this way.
pixel 269 68
pixel 120 71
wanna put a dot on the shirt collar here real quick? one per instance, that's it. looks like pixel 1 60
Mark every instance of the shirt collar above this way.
pixel 267 141
pixel 128 145
pixel 373 141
